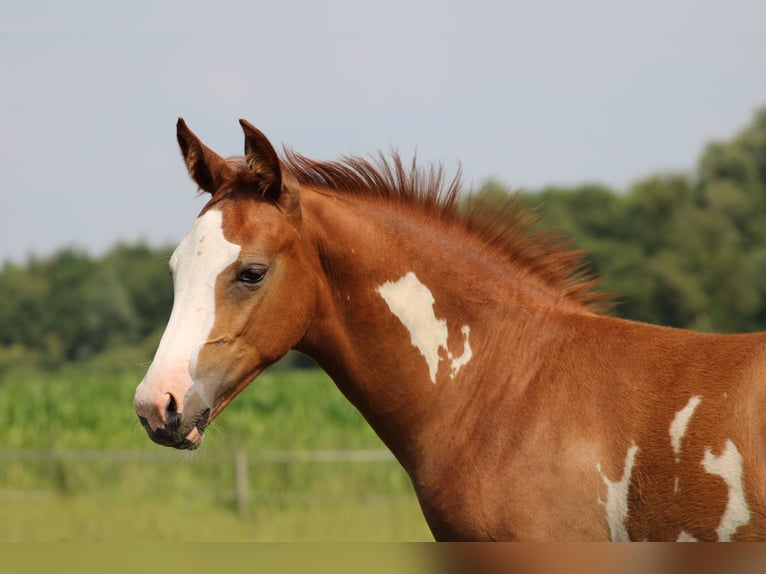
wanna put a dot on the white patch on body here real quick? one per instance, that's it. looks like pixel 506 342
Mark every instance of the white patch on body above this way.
pixel 413 304
pixel 196 263
pixel 680 423
pixel 729 467
pixel 686 537
pixel 461 361
pixel 617 498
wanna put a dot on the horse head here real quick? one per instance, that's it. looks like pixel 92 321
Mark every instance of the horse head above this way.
pixel 242 289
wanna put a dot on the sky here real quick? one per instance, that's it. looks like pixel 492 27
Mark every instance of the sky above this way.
pixel 529 93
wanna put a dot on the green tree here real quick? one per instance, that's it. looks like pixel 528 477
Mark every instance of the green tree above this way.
pixel 70 306
pixel 143 274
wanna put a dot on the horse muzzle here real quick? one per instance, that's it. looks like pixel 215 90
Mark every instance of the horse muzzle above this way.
pixel 174 412
pixel 178 433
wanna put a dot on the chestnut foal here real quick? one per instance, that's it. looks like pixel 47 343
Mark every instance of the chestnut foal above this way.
pixel 476 348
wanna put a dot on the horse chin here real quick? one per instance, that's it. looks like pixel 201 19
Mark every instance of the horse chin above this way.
pixel 193 439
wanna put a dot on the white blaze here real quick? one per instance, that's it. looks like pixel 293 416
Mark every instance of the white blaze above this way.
pixel 617 498
pixel 196 264
pixel 729 467
pixel 413 304
pixel 680 423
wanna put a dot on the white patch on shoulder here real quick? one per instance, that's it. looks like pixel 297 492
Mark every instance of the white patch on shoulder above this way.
pixel 680 423
pixel 196 263
pixel 617 498
pixel 413 304
pixel 729 467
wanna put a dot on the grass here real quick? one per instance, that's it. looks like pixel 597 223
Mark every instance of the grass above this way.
pixel 105 517
pixel 75 465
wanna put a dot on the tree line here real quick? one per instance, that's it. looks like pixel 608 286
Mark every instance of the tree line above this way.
pixel 679 249
pixel 71 306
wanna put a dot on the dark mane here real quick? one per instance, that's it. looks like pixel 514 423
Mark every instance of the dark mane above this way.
pixel 504 224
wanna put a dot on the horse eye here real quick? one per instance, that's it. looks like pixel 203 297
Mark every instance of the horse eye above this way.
pixel 251 275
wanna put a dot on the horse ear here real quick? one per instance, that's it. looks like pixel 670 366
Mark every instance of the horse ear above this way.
pixel 276 184
pixel 206 168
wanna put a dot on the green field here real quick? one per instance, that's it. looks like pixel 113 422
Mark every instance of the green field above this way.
pixel 75 465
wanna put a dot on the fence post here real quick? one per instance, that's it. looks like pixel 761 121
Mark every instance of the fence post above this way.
pixel 241 481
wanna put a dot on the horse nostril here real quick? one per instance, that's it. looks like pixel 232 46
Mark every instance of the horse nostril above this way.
pixel 172 405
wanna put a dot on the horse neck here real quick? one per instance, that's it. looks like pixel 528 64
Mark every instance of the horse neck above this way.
pixel 408 313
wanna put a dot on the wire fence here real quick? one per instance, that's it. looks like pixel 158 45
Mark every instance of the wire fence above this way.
pixel 240 462
pixel 167 456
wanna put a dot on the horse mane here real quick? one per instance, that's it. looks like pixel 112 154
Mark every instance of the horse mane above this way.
pixel 503 223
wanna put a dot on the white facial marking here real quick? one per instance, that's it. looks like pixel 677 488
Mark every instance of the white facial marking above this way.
pixel 617 498
pixel 680 423
pixel 729 467
pixel 196 264
pixel 413 304
pixel 686 537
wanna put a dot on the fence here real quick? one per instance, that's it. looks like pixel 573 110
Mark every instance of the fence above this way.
pixel 241 460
